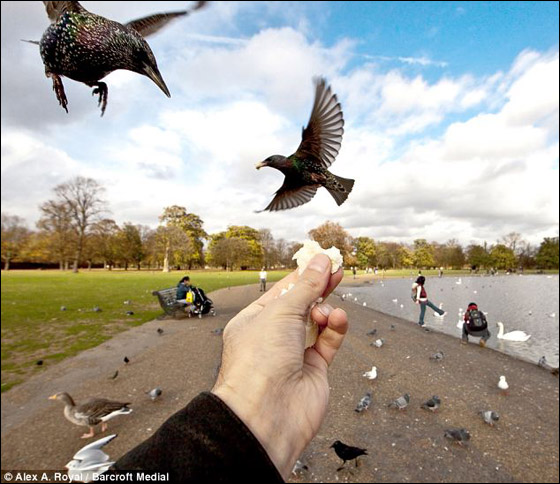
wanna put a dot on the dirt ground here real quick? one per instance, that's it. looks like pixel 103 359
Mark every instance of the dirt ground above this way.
pixel 403 446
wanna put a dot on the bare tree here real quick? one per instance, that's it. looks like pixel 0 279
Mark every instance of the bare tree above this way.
pixel 56 225
pixel 82 198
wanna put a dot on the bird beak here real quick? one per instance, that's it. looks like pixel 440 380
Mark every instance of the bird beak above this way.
pixel 154 75
pixel 52 397
pixel 260 165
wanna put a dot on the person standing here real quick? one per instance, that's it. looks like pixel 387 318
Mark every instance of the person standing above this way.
pixel 262 278
pixel 421 298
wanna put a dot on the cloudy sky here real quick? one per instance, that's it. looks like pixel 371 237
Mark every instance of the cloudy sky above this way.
pixel 450 109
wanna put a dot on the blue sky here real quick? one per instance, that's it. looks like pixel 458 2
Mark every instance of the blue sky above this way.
pixel 450 108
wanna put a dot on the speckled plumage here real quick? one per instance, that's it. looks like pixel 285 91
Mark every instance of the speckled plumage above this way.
pixel 307 169
pixel 86 47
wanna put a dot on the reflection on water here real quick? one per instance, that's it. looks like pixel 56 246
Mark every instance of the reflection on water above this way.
pixel 528 303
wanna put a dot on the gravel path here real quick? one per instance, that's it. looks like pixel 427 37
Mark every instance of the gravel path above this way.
pixel 403 446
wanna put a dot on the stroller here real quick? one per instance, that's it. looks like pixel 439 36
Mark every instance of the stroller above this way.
pixel 202 304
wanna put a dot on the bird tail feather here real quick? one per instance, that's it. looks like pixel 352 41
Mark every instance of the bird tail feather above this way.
pixel 341 194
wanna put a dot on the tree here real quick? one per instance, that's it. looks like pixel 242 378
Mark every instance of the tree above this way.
pixel 104 243
pixel 266 240
pixel 423 254
pixel 229 252
pixel 174 246
pixel 478 256
pixel 14 237
pixel 332 234
pixel 453 254
pixel 512 241
pixel 130 245
pixel 191 225
pixel 254 257
pixel 547 256
pixel 82 198
pixel 365 251
pixel 55 225
pixel 502 257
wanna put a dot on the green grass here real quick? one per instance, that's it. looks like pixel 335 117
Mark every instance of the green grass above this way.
pixel 34 327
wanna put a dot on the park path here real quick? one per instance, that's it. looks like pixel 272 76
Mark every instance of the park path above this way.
pixel 403 446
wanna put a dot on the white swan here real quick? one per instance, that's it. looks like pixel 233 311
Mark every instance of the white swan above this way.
pixel 512 335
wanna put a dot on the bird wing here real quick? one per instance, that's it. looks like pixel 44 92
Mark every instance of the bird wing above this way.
pixel 151 24
pixel 86 450
pixel 56 9
pixel 98 408
pixel 290 196
pixel 322 137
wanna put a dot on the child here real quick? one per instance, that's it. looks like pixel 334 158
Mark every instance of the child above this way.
pixel 475 324
pixel 421 297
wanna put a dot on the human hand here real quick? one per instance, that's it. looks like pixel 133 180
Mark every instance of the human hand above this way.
pixel 274 385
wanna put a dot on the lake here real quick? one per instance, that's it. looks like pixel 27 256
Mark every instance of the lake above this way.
pixel 528 303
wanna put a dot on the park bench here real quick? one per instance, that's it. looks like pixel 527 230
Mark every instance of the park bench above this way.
pixel 168 301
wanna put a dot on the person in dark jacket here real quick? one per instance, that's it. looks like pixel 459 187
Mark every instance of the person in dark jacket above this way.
pixel 270 396
pixel 475 324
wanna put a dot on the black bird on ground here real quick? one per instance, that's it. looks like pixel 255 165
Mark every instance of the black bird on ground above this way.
pixel 306 169
pixel 39 362
pixel 432 404
pixel 160 331
pixel 86 47
pixel 347 452
pixel 126 360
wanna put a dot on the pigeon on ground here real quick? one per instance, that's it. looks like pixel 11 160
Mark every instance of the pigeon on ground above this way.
pixel 307 169
pixel 86 47
pixel 459 436
pixel 130 313
pixel 160 331
pixel 542 361
pixel 127 302
pixel 489 416
pixel 437 356
pixel 432 404
pixel 39 362
pixel 503 385
pixel 401 403
pixel 373 332
pixel 378 343
pixel 97 309
pixel 63 308
pixel 299 468
pixel 154 393
pixel 90 461
pixel 393 327
pixel 364 403
pixel 372 374
pixel 126 360
pixel 347 452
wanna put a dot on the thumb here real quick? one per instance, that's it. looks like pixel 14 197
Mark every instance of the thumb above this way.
pixel 310 285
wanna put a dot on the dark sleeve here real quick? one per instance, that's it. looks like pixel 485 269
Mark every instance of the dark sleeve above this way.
pixel 204 442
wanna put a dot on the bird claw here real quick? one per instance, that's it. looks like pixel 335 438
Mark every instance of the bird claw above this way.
pixel 58 89
pixel 102 91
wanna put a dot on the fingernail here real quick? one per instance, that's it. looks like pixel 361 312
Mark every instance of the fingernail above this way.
pixel 319 263
pixel 325 309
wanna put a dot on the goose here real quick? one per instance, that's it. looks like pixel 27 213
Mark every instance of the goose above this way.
pixel 93 412
pixel 512 335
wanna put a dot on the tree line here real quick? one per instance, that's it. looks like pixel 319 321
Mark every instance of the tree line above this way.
pixel 74 231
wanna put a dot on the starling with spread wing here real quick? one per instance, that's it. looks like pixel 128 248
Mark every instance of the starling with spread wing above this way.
pixel 307 169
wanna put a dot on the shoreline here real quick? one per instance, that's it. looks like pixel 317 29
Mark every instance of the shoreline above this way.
pixel 403 446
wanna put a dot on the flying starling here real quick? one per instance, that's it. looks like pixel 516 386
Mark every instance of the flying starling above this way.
pixel 306 170
pixel 86 47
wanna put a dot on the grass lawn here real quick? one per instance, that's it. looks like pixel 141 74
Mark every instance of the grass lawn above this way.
pixel 35 328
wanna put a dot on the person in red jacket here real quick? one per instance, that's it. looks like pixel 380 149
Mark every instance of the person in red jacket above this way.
pixel 420 296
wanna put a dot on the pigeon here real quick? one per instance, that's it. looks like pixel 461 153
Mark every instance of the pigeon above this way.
pixel 39 362
pixel 393 327
pixel 460 436
pixel 63 308
pixel 115 375
pixel 432 404
pixel 86 47
pixel 364 403
pixel 373 332
pixel 307 169
pixel 401 403
pixel 160 331
pixel 126 360
pixel 90 461
pixel 542 361
pixel 299 467
pixel 130 313
pixel 154 393
pixel 378 343
pixel 372 374
pixel 347 452
pixel 97 309
pixel 489 416
pixel 503 385
pixel 437 356
pixel 127 302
